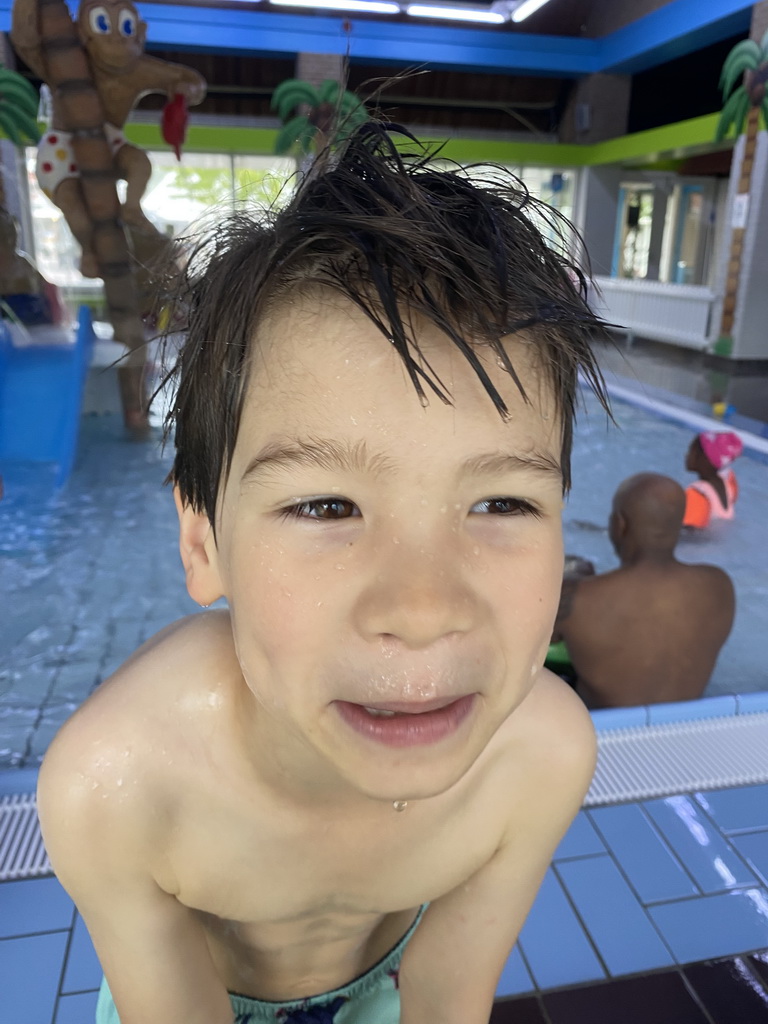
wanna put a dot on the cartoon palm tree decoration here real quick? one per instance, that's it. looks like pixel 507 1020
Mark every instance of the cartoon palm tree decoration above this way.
pixel 18 113
pixel 332 113
pixel 744 104
pixel 18 108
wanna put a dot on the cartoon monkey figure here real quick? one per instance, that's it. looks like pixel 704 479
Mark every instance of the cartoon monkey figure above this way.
pixel 113 37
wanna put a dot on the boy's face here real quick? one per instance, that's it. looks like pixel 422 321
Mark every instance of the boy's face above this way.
pixel 378 554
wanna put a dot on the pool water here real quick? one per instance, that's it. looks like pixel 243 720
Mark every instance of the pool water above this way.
pixel 641 441
pixel 91 571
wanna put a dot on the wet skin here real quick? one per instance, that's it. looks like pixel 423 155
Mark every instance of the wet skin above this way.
pixel 373 550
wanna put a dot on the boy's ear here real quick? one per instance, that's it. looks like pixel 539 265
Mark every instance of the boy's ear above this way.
pixel 198 553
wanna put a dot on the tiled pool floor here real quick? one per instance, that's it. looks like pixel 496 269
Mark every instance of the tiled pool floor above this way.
pixel 651 912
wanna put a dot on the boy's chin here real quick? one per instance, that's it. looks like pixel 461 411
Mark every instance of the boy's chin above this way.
pixel 414 782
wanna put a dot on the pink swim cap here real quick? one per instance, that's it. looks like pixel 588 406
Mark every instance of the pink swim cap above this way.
pixel 721 449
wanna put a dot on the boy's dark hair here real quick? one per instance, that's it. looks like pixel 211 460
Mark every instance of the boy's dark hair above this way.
pixel 397 235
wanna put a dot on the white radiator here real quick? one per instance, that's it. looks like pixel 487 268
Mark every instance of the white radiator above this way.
pixel 666 312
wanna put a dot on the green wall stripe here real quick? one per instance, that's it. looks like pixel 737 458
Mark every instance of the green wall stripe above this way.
pixel 672 141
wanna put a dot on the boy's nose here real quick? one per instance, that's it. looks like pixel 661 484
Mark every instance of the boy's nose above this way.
pixel 417 598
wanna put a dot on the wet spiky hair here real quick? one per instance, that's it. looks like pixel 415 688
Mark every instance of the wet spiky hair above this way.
pixel 401 237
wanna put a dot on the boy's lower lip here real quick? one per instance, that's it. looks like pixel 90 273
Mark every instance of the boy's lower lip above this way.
pixel 407 730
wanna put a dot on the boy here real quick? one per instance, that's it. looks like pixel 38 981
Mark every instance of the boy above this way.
pixel 335 800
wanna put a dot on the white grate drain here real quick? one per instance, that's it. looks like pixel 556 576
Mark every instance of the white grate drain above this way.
pixel 680 757
pixel 22 854
pixel 632 764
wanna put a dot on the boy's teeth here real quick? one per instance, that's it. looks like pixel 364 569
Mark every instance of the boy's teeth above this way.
pixel 377 712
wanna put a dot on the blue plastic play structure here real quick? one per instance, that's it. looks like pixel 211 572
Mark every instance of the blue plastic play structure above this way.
pixel 41 392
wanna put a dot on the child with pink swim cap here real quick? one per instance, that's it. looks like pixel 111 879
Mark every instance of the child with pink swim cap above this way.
pixel 714 494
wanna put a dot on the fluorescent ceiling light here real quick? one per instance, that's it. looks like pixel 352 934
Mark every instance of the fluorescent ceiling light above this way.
pixel 371 6
pixel 526 8
pixel 456 13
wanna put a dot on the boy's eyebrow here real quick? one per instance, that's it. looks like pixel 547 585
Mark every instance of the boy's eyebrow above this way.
pixel 334 454
pixel 325 453
pixel 504 462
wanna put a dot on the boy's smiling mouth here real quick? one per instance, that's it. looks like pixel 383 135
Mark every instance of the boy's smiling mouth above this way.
pixel 407 723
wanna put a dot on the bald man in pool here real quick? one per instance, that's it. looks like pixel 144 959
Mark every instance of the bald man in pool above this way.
pixel 651 630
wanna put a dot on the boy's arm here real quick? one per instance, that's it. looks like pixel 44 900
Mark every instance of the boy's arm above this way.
pixel 452 964
pixel 151 947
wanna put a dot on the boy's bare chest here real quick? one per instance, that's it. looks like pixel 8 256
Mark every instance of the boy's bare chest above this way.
pixel 240 867
pixel 291 908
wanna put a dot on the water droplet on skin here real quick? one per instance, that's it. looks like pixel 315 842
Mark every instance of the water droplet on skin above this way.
pixel 340 567
pixel 476 551
pixel 395 540
pixel 119 782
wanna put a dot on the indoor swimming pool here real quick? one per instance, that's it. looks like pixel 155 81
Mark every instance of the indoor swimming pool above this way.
pixel 91 571
pixel 654 909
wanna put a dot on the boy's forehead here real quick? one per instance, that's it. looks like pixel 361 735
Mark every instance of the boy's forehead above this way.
pixel 325 371
pixel 298 338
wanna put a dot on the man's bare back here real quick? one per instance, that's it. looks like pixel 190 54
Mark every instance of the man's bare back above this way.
pixel 651 630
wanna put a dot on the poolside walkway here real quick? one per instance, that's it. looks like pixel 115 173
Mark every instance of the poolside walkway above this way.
pixel 652 912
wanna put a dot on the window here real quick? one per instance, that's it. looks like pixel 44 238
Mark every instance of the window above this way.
pixel 177 196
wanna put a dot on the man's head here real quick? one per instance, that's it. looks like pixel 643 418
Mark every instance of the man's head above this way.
pixel 400 239
pixel 647 516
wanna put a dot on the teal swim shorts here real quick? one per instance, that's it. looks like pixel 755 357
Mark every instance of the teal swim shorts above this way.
pixel 372 997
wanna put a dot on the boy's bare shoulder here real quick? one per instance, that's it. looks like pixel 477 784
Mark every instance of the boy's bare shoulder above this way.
pixel 549 749
pixel 109 772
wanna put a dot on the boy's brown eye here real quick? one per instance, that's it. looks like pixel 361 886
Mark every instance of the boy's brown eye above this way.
pixel 334 509
pixel 324 508
pixel 505 507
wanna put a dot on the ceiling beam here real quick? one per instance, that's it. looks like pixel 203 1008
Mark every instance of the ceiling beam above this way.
pixel 677 28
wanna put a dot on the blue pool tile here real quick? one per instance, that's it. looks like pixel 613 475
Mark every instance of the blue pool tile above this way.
pixel 30 969
pixel 619 718
pixel 751 703
pixel 651 867
pixel 615 921
pixel 689 710
pixel 712 862
pixel 738 809
pixel 515 979
pixel 580 840
pixel 18 780
pixel 553 941
pixel 753 846
pixel 77 1009
pixel 34 905
pixel 83 968
pixel 728 990
pixel 714 926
